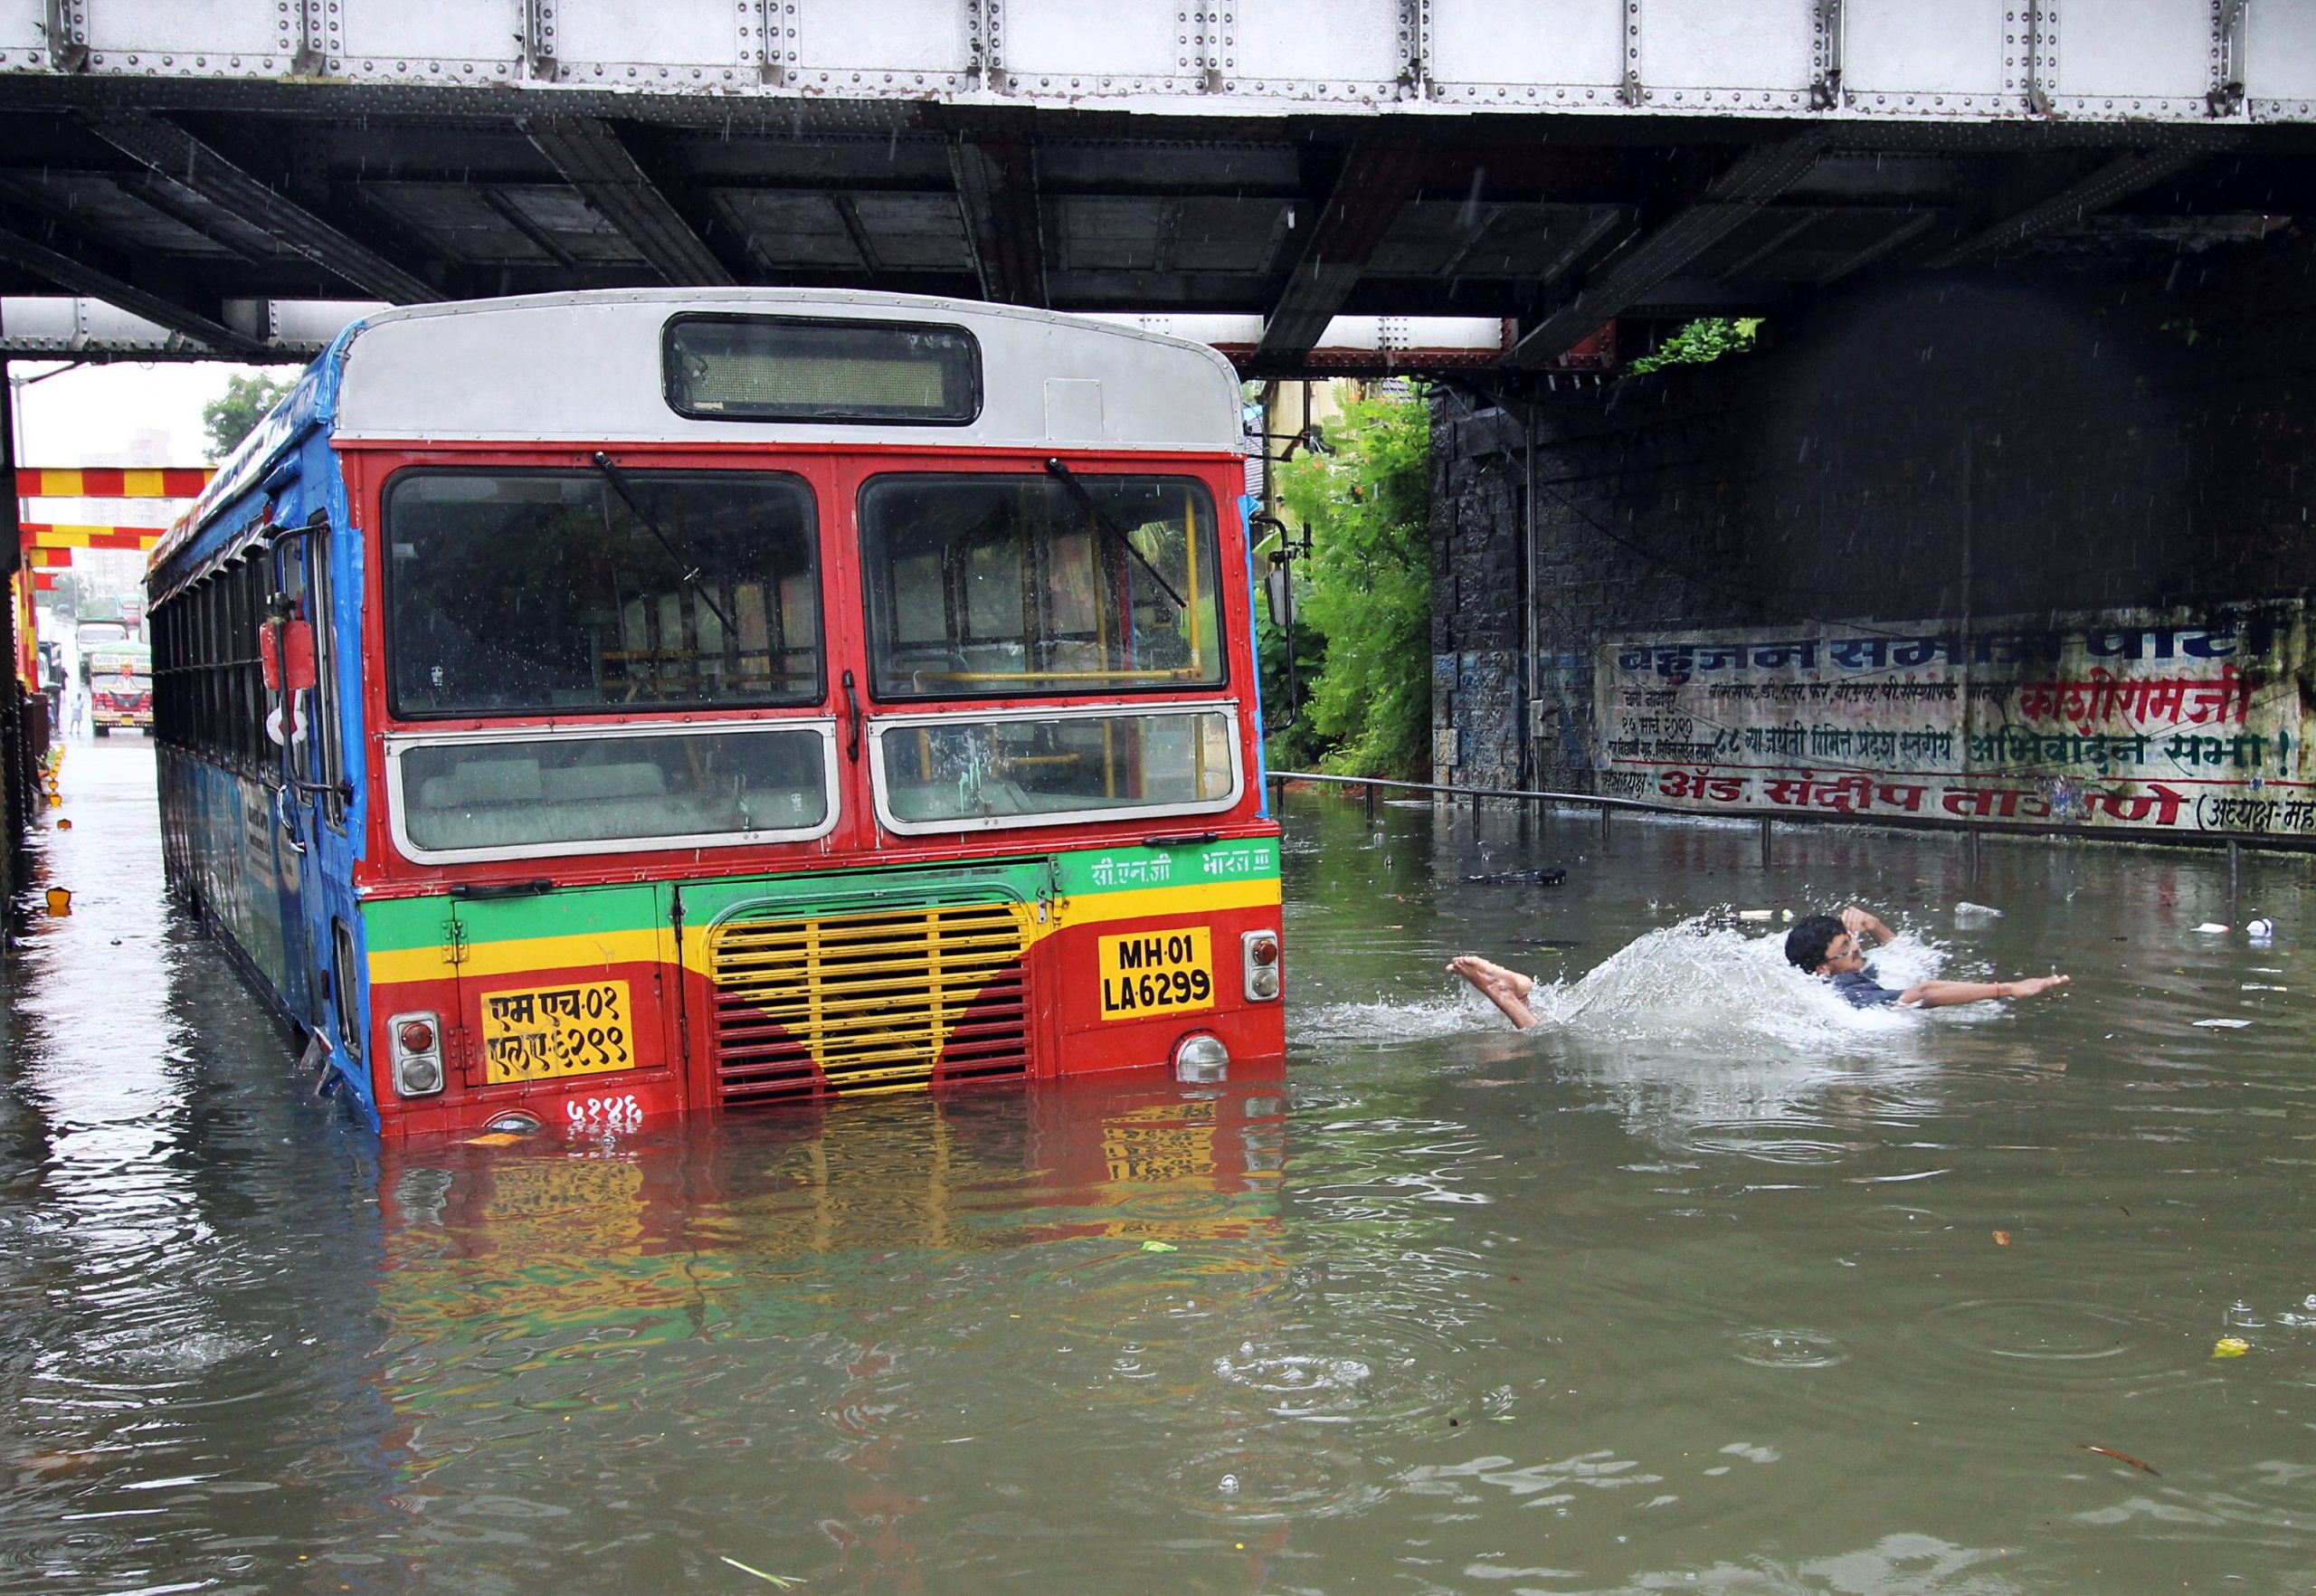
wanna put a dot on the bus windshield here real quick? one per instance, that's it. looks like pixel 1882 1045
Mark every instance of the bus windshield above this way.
pixel 526 592
pixel 988 584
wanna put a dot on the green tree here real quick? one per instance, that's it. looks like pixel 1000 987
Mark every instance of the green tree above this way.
pixel 1695 343
pixel 1369 509
pixel 1293 742
pixel 234 414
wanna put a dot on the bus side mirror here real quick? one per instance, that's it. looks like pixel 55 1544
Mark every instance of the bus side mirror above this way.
pixel 285 654
pixel 1278 589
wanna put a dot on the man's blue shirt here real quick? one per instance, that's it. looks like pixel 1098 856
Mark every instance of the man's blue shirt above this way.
pixel 1860 989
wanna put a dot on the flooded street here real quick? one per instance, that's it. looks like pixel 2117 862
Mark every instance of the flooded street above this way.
pixel 1712 1284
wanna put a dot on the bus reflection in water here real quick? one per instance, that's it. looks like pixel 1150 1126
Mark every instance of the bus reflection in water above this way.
pixel 595 706
pixel 871 1247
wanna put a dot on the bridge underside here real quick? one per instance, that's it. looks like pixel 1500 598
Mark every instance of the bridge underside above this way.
pixel 235 194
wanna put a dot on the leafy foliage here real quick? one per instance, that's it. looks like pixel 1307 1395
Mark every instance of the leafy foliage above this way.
pixel 234 414
pixel 1369 598
pixel 1707 338
pixel 1294 743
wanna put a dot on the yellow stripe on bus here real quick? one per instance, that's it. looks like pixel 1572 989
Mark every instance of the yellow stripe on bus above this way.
pixel 522 956
pixel 1149 902
pixel 598 950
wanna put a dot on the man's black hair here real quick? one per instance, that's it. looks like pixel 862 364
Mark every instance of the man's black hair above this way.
pixel 1806 944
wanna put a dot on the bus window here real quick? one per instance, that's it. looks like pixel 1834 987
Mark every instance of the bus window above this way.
pixel 951 774
pixel 514 591
pixel 1011 584
pixel 476 797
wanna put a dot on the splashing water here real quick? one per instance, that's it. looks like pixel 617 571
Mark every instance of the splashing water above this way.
pixel 1700 982
pixel 1699 979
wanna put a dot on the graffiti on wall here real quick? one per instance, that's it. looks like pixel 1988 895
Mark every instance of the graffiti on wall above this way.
pixel 2159 721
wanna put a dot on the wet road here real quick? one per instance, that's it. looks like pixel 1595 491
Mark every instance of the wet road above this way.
pixel 1710 1285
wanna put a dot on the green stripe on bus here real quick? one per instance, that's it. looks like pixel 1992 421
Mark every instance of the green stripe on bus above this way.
pixel 1132 869
pixel 393 925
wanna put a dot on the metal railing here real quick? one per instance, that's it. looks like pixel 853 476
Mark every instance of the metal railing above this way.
pixel 1607 806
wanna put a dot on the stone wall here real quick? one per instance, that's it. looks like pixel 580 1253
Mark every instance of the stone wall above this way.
pixel 1954 449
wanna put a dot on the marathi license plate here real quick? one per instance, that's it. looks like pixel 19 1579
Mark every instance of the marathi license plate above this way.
pixel 544 1033
pixel 1157 973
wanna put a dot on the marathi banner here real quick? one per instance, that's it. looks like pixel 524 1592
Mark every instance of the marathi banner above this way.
pixel 2150 720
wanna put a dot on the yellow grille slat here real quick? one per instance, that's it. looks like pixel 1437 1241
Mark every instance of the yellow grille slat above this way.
pixel 893 985
pixel 990 959
pixel 866 1003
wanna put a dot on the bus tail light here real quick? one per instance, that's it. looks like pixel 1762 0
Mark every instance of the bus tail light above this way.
pixel 418 1054
pixel 1258 953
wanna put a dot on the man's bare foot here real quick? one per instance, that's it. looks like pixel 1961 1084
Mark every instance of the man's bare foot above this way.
pixel 1483 973
pixel 2038 985
pixel 1507 989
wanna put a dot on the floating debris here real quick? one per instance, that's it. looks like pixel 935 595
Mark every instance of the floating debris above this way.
pixel 2231 1346
pixel 2140 1464
pixel 783 1581
pixel 1541 878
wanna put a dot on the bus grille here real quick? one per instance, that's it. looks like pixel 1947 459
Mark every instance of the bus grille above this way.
pixel 876 1002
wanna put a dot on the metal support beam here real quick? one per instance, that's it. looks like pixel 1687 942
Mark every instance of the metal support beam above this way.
pixel 1376 180
pixel 176 154
pixel 1905 234
pixel 2226 97
pixel 1728 203
pixel 1826 57
pixel 590 158
pixel 2118 179
pixel 81 278
pixel 997 191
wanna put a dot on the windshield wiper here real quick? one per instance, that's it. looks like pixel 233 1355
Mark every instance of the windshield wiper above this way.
pixel 1061 473
pixel 620 485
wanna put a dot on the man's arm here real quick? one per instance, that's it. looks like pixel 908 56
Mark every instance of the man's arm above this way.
pixel 1861 924
pixel 1945 994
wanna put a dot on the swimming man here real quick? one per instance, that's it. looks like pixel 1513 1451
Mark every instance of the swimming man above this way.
pixel 1835 950
pixel 1823 945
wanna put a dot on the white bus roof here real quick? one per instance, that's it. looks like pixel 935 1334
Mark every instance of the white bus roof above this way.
pixel 586 368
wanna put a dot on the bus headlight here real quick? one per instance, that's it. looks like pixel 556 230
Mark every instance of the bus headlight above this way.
pixel 417 1041
pixel 1201 1057
pixel 1258 959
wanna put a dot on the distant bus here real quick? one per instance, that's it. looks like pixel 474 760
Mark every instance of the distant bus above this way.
pixel 120 680
pixel 601 706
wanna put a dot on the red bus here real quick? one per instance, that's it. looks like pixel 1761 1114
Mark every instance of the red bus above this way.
pixel 588 707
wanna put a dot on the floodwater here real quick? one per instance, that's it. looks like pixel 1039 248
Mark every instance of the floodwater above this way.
pixel 1713 1285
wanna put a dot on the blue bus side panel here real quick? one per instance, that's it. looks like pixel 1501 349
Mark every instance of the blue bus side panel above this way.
pixel 220 832
pixel 223 836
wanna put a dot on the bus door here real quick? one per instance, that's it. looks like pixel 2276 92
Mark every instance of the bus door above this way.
pixel 286 662
pixel 302 724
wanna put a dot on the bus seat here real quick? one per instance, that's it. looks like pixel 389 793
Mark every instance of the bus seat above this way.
pixel 638 779
pixel 483 781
